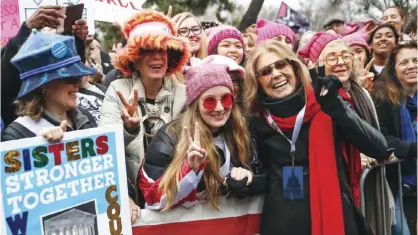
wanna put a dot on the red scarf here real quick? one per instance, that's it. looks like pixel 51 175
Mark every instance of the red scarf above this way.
pixel 352 158
pixel 325 194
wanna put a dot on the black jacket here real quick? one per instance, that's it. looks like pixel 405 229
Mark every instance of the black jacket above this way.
pixel 293 216
pixel 10 77
pixel 390 126
pixel 81 119
pixel 161 151
pixel 106 62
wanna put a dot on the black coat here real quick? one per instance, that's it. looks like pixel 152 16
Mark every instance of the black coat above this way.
pixel 10 77
pixel 293 216
pixel 390 126
pixel 81 118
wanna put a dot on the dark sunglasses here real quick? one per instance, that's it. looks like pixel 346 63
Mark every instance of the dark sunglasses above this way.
pixel 268 70
pixel 196 30
pixel 210 102
pixel 72 80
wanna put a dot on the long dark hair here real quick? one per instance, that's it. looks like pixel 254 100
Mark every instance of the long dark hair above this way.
pixel 391 27
pixel 390 88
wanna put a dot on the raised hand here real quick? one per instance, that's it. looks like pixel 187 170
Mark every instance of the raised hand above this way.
pixel 170 11
pixel 129 113
pixel 196 155
pixel 80 29
pixel 54 134
pixel 366 77
pixel 46 16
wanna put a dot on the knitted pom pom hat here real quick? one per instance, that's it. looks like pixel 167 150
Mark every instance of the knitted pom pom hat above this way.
pixel 151 30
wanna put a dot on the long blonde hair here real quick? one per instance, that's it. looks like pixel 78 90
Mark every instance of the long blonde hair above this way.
pixel 237 139
pixel 251 87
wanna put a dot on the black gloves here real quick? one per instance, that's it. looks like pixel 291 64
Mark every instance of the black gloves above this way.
pixel 330 101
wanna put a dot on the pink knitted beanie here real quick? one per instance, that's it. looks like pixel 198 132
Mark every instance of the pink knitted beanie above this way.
pixel 314 47
pixel 205 76
pixel 356 39
pixel 223 32
pixel 267 30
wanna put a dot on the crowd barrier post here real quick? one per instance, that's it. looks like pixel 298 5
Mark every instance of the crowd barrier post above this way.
pixel 382 169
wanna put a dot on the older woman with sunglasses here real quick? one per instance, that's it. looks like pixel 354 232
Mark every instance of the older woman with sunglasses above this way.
pixel 303 137
pixel 179 169
pixel 51 73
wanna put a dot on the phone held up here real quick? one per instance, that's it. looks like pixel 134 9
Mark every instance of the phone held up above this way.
pixel 73 13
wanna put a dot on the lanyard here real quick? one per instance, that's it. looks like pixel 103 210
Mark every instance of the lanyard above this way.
pixel 296 130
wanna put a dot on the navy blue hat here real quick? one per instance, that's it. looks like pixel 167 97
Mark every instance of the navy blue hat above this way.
pixel 45 57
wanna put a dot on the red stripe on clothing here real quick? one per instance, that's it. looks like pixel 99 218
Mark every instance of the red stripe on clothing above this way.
pixel 242 225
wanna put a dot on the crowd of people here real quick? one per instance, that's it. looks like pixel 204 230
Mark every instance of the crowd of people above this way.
pixel 209 112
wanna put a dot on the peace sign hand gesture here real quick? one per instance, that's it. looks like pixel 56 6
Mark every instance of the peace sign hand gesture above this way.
pixel 366 77
pixel 196 155
pixel 129 113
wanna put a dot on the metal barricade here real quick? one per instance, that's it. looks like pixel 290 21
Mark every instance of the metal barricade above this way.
pixel 383 188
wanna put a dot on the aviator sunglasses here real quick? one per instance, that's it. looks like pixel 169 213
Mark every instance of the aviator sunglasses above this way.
pixel 268 70
pixel 210 102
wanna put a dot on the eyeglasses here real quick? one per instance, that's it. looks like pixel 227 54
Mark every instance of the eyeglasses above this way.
pixel 71 81
pixel 268 70
pixel 210 102
pixel 196 30
pixel 332 58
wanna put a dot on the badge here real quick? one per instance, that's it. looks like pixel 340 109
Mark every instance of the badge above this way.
pixel 293 182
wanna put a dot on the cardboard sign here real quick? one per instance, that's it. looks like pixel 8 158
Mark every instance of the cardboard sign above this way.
pixel 77 186
pixel 28 7
pixel 10 22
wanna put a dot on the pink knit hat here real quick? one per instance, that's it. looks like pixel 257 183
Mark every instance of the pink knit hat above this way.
pixel 267 30
pixel 203 77
pixel 223 32
pixel 314 47
pixel 356 39
pixel 232 66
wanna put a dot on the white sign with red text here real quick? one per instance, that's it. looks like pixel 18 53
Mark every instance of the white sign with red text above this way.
pixel 116 10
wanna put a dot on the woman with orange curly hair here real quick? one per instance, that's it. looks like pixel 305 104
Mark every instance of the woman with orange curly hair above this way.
pixel 146 98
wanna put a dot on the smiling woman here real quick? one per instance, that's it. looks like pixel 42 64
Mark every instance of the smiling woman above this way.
pixel 291 123
pixel 147 97
pixel 227 41
pixel 46 103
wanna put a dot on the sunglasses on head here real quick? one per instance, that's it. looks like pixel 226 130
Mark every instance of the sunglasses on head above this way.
pixel 268 70
pixel 210 102
pixel 72 80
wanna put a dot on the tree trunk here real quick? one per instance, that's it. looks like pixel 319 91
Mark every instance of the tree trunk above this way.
pixel 251 15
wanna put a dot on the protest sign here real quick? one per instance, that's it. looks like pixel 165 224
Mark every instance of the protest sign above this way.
pixel 28 7
pixel 77 186
pixel 10 22
pixel 234 217
pixel 116 10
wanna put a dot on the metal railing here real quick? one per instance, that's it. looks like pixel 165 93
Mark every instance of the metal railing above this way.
pixel 383 186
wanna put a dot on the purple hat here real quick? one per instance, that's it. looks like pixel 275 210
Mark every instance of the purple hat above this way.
pixel 267 30
pixel 356 39
pixel 203 77
pixel 314 47
pixel 223 32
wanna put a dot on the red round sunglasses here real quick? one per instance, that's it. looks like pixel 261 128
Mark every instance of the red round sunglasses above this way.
pixel 210 102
